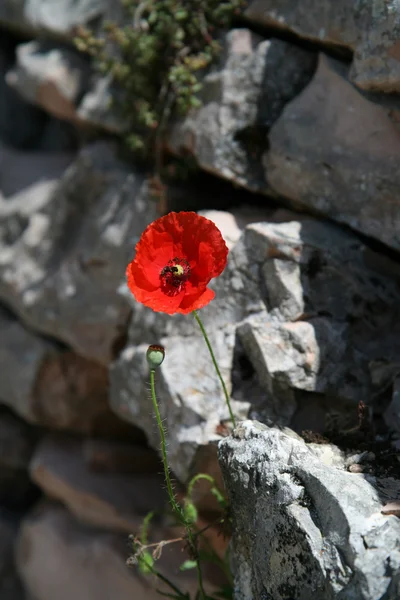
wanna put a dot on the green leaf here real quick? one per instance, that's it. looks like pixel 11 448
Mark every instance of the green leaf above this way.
pixel 190 512
pixel 181 15
pixel 188 564
pixel 145 563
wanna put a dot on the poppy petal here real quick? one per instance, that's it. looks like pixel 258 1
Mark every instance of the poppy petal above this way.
pixel 196 301
pixel 173 241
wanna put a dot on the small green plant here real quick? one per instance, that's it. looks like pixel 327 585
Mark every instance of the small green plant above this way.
pixel 145 554
pixel 154 59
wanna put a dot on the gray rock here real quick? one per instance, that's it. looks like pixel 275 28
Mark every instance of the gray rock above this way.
pixel 12 14
pixel 370 29
pixel 59 558
pixel 96 108
pixel 341 162
pixel 59 18
pixel 107 500
pixel 241 98
pixel 335 24
pixel 20 123
pixel 53 77
pixel 191 398
pixel 23 125
pixel 65 244
pixel 304 528
pixel 297 344
pixel 51 387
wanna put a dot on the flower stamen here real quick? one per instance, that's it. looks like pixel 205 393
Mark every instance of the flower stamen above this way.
pixel 174 276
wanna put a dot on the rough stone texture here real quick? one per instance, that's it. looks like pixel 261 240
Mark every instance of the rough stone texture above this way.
pixel 108 500
pixel 370 29
pixel 50 386
pixel 53 77
pixel 95 108
pixel 331 24
pixel 61 82
pixel 23 125
pixel 304 528
pixel 190 394
pixel 302 313
pixel 335 152
pixel 241 98
pixel 57 558
pixel 20 123
pixel 63 253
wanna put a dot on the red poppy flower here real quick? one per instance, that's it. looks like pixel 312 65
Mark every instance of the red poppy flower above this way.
pixel 176 257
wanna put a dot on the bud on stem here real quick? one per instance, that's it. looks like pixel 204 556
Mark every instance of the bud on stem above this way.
pixel 155 356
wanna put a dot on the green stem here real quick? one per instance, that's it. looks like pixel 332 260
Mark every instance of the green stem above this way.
pixel 167 582
pixel 175 506
pixel 192 543
pixel 203 331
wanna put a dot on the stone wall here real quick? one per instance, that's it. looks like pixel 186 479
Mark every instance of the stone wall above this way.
pixel 298 144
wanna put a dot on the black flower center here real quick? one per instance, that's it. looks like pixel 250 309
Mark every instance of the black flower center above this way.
pixel 174 276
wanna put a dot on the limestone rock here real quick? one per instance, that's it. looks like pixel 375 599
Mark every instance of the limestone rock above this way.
pixel 106 499
pixel 52 387
pixel 34 174
pixel 59 17
pixel 58 558
pixel 20 123
pixel 53 77
pixel 64 247
pixel 335 152
pixel 95 107
pixel 23 125
pixel 241 98
pixel 62 82
pixel 291 326
pixel 303 528
pixel 191 398
pixel 370 29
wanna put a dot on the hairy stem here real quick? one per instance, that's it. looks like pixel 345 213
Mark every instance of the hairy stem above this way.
pixel 175 506
pixel 203 331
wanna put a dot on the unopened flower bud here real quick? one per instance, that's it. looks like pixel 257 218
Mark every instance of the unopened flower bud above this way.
pixel 155 355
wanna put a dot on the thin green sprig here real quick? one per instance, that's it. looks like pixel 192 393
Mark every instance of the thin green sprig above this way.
pixel 174 504
pixel 215 363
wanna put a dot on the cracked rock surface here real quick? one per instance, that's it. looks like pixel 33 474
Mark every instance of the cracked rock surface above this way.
pixel 291 326
pixel 304 528
pixel 66 248
pixel 242 97
pixel 370 29
pixel 335 152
